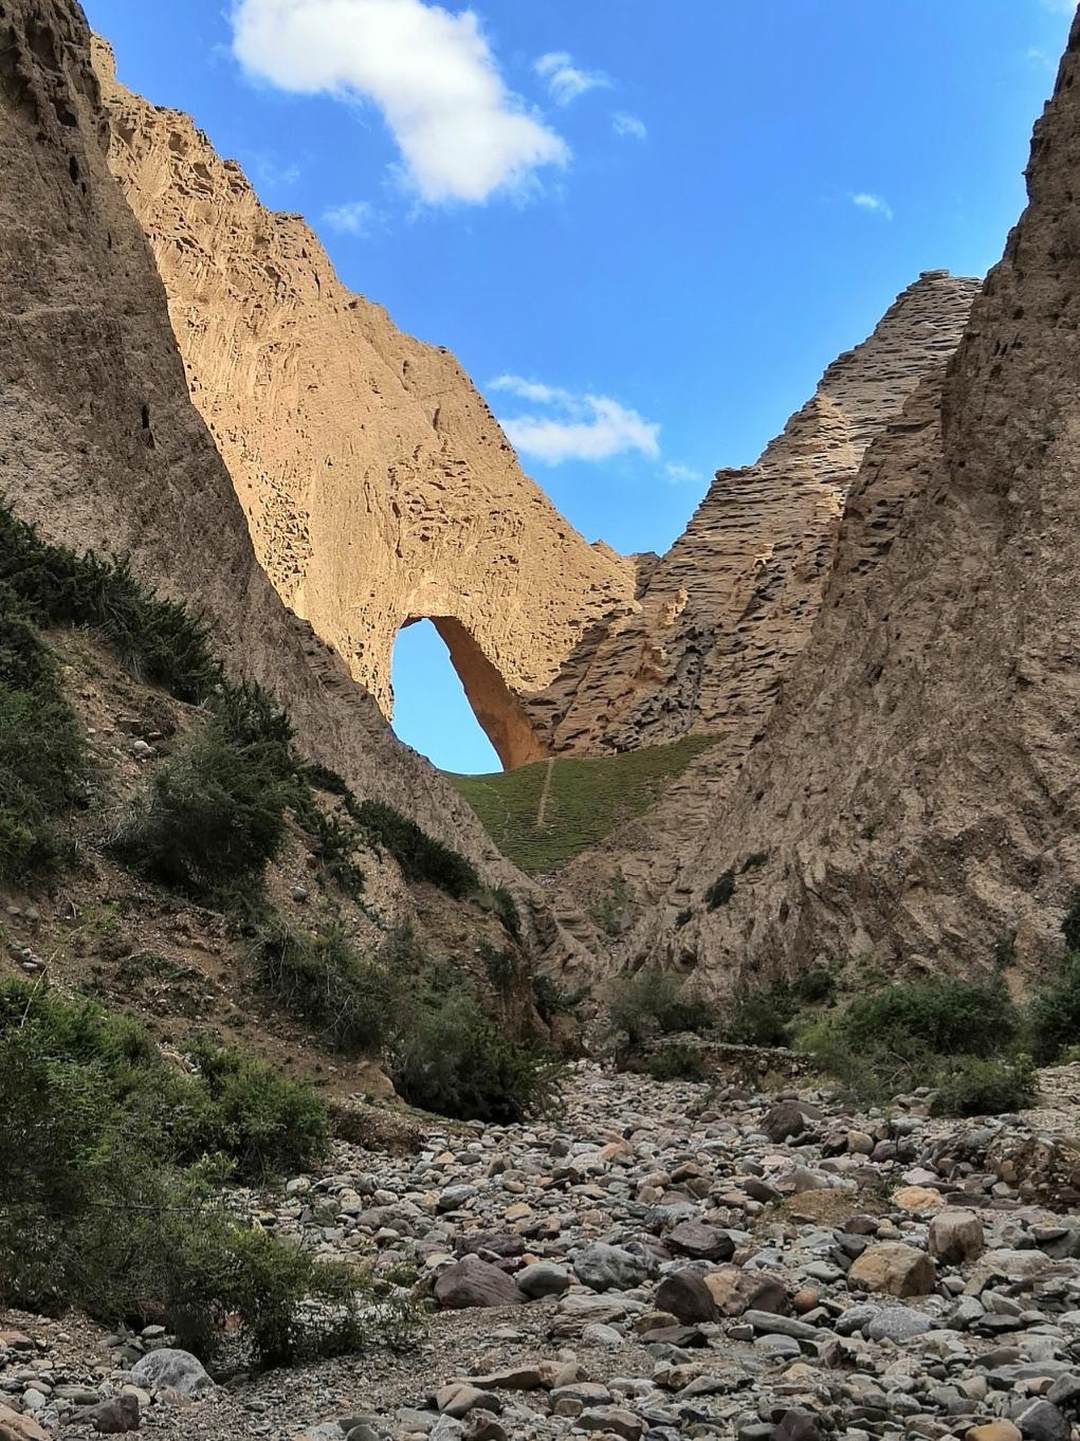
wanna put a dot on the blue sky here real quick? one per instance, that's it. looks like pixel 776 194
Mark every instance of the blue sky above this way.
pixel 645 228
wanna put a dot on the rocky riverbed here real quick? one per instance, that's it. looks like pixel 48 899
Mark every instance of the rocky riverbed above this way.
pixel 661 1261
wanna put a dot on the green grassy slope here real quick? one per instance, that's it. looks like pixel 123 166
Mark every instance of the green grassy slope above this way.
pixel 587 798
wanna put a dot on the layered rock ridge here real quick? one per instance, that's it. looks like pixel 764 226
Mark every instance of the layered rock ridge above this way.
pixel 916 799
pixel 378 487
pixel 724 613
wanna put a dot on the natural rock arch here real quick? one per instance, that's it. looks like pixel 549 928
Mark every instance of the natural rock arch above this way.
pixel 497 709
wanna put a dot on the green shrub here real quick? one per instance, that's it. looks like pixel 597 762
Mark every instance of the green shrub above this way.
pixel 264 1122
pixel 958 1036
pixel 721 891
pixel 98 1215
pixel 212 815
pixel 762 1018
pixel 420 856
pixel 676 1061
pixel 353 1000
pixel 770 1016
pixel 944 1017
pixel 551 1000
pixel 652 1002
pixel 975 1086
pixel 43 761
pixel 1070 925
pixel 506 909
pixel 454 1061
pixel 155 638
pixel 234 1105
pixel 1053 1017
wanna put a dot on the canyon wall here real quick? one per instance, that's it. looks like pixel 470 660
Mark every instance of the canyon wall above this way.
pixel 378 486
pixel 915 802
pixel 731 604
pixel 102 448
pixel 726 613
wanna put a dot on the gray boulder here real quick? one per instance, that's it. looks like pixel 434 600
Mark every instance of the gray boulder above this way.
pixel 612 1268
pixel 172 1370
pixel 473 1282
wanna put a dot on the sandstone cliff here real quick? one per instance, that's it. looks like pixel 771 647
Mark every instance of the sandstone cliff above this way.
pixel 99 442
pixel 378 486
pixel 915 801
pixel 729 609
pixel 731 604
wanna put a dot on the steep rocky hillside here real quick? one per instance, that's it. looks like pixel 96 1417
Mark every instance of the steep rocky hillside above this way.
pixel 101 446
pixel 729 609
pixel 377 484
pixel 915 801
pixel 731 604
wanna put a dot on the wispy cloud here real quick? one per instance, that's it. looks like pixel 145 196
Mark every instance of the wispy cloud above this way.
pixel 574 427
pixel 271 174
pixel 873 203
pixel 357 217
pixel 682 474
pixel 565 80
pixel 628 125
pixel 1059 7
pixel 462 133
pixel 1040 58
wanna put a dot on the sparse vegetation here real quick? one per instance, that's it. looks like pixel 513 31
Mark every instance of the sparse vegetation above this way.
pixel 155 638
pixel 1070 925
pixel 351 999
pixel 721 891
pixel 586 799
pixel 43 762
pixel 612 911
pixel 113 1164
pixel 453 1060
pixel 653 1003
pixel 420 856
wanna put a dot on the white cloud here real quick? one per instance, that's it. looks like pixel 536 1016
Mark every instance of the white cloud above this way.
pixel 462 133
pixel 586 427
pixel 874 203
pixel 565 80
pixel 682 474
pixel 1060 7
pixel 1040 57
pixel 354 218
pixel 628 125
pixel 530 390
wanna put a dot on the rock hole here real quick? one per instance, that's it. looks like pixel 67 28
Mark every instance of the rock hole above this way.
pixel 73 170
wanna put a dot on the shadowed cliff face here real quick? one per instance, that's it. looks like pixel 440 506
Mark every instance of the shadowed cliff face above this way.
pixel 101 446
pixel 378 486
pixel 917 792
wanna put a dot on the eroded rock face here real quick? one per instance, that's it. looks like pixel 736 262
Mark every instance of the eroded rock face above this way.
pixel 378 486
pixel 915 800
pixel 100 444
pixel 731 607
pixel 728 608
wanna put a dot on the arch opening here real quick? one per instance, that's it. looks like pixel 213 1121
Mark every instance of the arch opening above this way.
pixel 462 716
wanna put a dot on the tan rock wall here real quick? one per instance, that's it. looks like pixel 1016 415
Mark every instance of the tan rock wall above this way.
pixel 728 608
pixel 377 484
pixel 102 448
pixel 917 794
